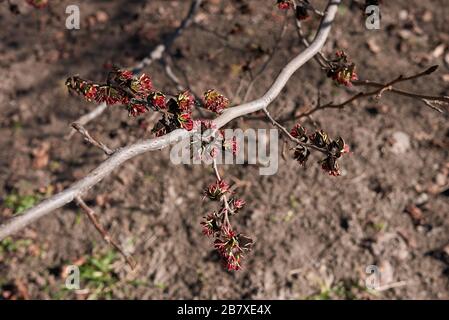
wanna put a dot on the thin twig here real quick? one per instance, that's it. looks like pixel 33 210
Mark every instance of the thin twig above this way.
pixel 381 88
pixel 223 199
pixel 320 57
pixel 78 127
pixel 292 138
pixel 85 119
pixel 94 219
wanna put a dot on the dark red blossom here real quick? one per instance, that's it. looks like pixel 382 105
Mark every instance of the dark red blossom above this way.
pixel 210 224
pixel 91 93
pixel 136 109
pixel 107 94
pixel 125 75
pixel 215 101
pixel 299 132
pixel 185 121
pixel 157 99
pixel 341 70
pixel 145 84
pixel 216 190
pixel 238 204
pixel 231 247
pixel 185 101
pixel 330 165
pixel 284 4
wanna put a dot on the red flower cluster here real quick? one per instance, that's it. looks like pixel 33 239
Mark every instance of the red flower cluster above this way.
pixel 341 70
pixel 216 190
pixel 185 101
pixel 136 93
pixel 334 149
pixel 209 224
pixel 39 4
pixel 157 100
pixel 215 101
pixel 122 88
pixel 228 243
pixel 228 246
pixel 284 4
pixel 185 121
pixel 184 105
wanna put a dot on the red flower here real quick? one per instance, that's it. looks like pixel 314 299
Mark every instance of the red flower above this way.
pixel 342 71
pixel 157 99
pixel 238 204
pixel 108 95
pixel 216 190
pixel 125 75
pixel 136 109
pixel 215 101
pixel 299 132
pixel 185 101
pixel 284 4
pixel 185 121
pixel 210 225
pixel 345 76
pixel 330 165
pixel 229 249
pixel 91 93
pixel 145 84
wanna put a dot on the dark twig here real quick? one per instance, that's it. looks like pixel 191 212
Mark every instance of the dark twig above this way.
pixel 292 138
pixel 223 199
pixel 78 127
pixel 320 58
pixel 382 88
pixel 94 219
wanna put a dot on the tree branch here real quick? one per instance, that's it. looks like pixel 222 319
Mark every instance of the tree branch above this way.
pixel 106 237
pixel 78 127
pixel 122 155
pixel 382 88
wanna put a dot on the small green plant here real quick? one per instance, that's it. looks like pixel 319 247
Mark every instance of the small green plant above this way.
pixel 10 245
pixel 19 203
pixel 97 273
pixel 348 290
